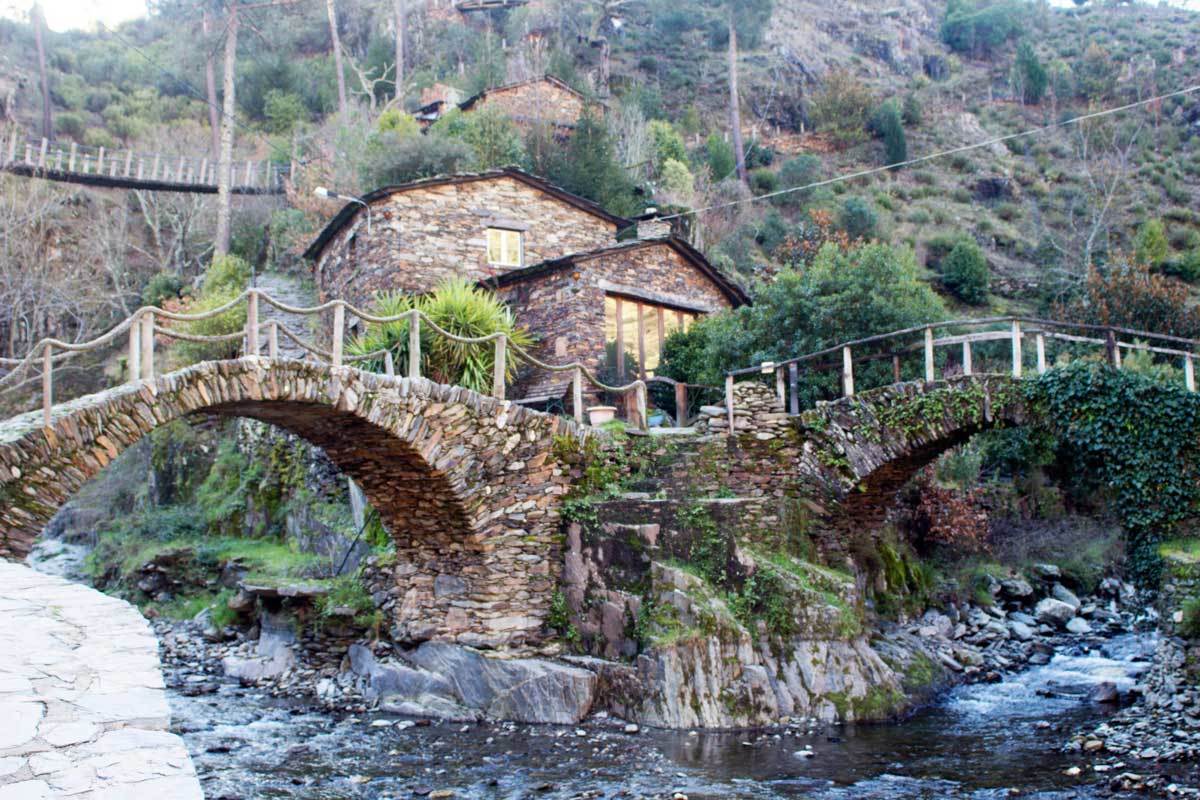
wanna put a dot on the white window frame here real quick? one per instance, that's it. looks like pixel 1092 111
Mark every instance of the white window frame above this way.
pixel 503 232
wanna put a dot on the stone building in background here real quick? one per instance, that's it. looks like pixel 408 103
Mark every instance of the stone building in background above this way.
pixel 553 256
pixel 538 101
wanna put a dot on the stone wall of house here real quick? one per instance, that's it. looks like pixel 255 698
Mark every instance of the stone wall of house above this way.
pixel 422 236
pixel 566 308
pixel 535 101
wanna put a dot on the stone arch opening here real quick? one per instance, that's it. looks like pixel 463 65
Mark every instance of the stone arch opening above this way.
pixel 466 485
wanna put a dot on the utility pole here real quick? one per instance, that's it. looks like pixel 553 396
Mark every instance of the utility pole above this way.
pixel 735 114
pixel 337 56
pixel 225 168
pixel 401 25
pixel 39 33
pixel 210 83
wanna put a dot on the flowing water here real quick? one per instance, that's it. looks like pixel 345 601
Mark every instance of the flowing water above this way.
pixel 979 742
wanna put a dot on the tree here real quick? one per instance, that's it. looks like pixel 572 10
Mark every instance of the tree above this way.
pixel 1029 76
pixel 335 39
pixel 399 12
pixel 888 125
pixel 494 139
pixel 842 107
pixel 39 33
pixel 857 218
pixel 589 168
pixel 210 82
pixel 228 107
pixel 965 272
pixel 1151 246
pixel 978 28
pixel 1128 295
pixel 668 144
pixel 799 171
pixel 843 294
pixel 721 160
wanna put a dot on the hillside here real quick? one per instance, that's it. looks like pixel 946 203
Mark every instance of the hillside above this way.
pixel 815 79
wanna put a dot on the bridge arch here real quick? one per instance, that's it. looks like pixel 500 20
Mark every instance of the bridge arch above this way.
pixel 871 444
pixel 467 485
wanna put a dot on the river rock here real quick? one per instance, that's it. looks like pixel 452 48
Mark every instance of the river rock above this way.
pixel 1047 571
pixel 1105 692
pixel 1079 625
pixel 1016 588
pixel 1020 630
pixel 1023 618
pixel 1065 595
pixel 1053 612
pixel 522 690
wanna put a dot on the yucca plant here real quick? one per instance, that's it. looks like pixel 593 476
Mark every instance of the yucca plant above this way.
pixel 460 307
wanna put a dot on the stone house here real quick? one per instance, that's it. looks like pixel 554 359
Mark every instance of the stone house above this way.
pixel 538 100
pixel 552 255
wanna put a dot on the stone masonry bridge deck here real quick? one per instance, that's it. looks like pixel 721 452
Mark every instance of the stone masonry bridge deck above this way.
pixel 81 697
pixel 467 485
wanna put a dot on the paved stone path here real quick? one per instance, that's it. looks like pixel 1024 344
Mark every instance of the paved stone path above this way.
pixel 83 713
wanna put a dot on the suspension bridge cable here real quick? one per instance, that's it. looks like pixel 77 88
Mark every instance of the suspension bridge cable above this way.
pixel 940 154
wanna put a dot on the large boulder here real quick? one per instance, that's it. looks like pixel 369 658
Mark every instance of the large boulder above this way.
pixel 523 690
pixel 1016 588
pixel 1053 612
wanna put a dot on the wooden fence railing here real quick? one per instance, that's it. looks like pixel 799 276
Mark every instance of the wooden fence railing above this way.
pixel 964 335
pixel 99 166
pixel 149 323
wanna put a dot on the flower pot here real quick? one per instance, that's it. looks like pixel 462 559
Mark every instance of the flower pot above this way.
pixel 598 415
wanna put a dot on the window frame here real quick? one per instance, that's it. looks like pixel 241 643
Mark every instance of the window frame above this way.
pixel 520 234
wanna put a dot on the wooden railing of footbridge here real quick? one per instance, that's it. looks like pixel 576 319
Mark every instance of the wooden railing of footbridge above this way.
pixel 918 348
pixel 145 326
pixel 129 169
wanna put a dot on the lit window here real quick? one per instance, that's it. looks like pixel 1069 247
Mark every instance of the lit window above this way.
pixel 636 332
pixel 505 247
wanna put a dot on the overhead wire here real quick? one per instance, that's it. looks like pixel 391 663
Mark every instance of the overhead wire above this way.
pixel 940 154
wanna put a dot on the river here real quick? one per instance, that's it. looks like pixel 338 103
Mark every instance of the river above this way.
pixel 979 741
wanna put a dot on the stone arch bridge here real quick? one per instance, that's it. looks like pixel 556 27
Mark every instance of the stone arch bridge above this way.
pixel 467 485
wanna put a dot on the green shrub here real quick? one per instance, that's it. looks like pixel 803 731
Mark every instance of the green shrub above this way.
pixel 965 272
pixel 457 306
pixel 799 171
pixel 763 181
pixel 719 153
pixel 857 218
pixel 98 137
pixel 911 112
pixel 163 286
pixel 888 125
pixel 1189 627
pixel 68 123
pixel 283 111
pixel 842 107
pixel 668 144
pixel 493 138
pixel 393 158
pixel 1150 245
pixel 1029 76
pixel 978 27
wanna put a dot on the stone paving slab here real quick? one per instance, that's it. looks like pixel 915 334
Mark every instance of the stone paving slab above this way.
pixel 83 712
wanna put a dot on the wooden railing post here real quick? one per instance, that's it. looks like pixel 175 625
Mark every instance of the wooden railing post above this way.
pixel 500 368
pixel 1040 340
pixel 135 349
pixel 1189 373
pixel 252 323
pixel 1016 349
pixel 339 330
pixel 414 344
pixel 1110 348
pixel 42 153
pixel 273 341
pixel 640 396
pixel 780 387
pixel 681 404
pixel 47 382
pixel 794 388
pixel 577 395
pixel 968 366
pixel 729 401
pixel 895 367
pixel 389 364
pixel 847 373
pixel 148 346
pixel 71 158
pixel 929 376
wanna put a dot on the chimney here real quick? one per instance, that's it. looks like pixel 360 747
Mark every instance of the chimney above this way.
pixel 651 225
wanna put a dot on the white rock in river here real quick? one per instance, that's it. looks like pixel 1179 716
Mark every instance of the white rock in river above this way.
pixel 1079 625
pixel 1020 630
pixel 1053 612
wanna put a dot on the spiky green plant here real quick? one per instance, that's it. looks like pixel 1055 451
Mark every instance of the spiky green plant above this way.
pixel 460 307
